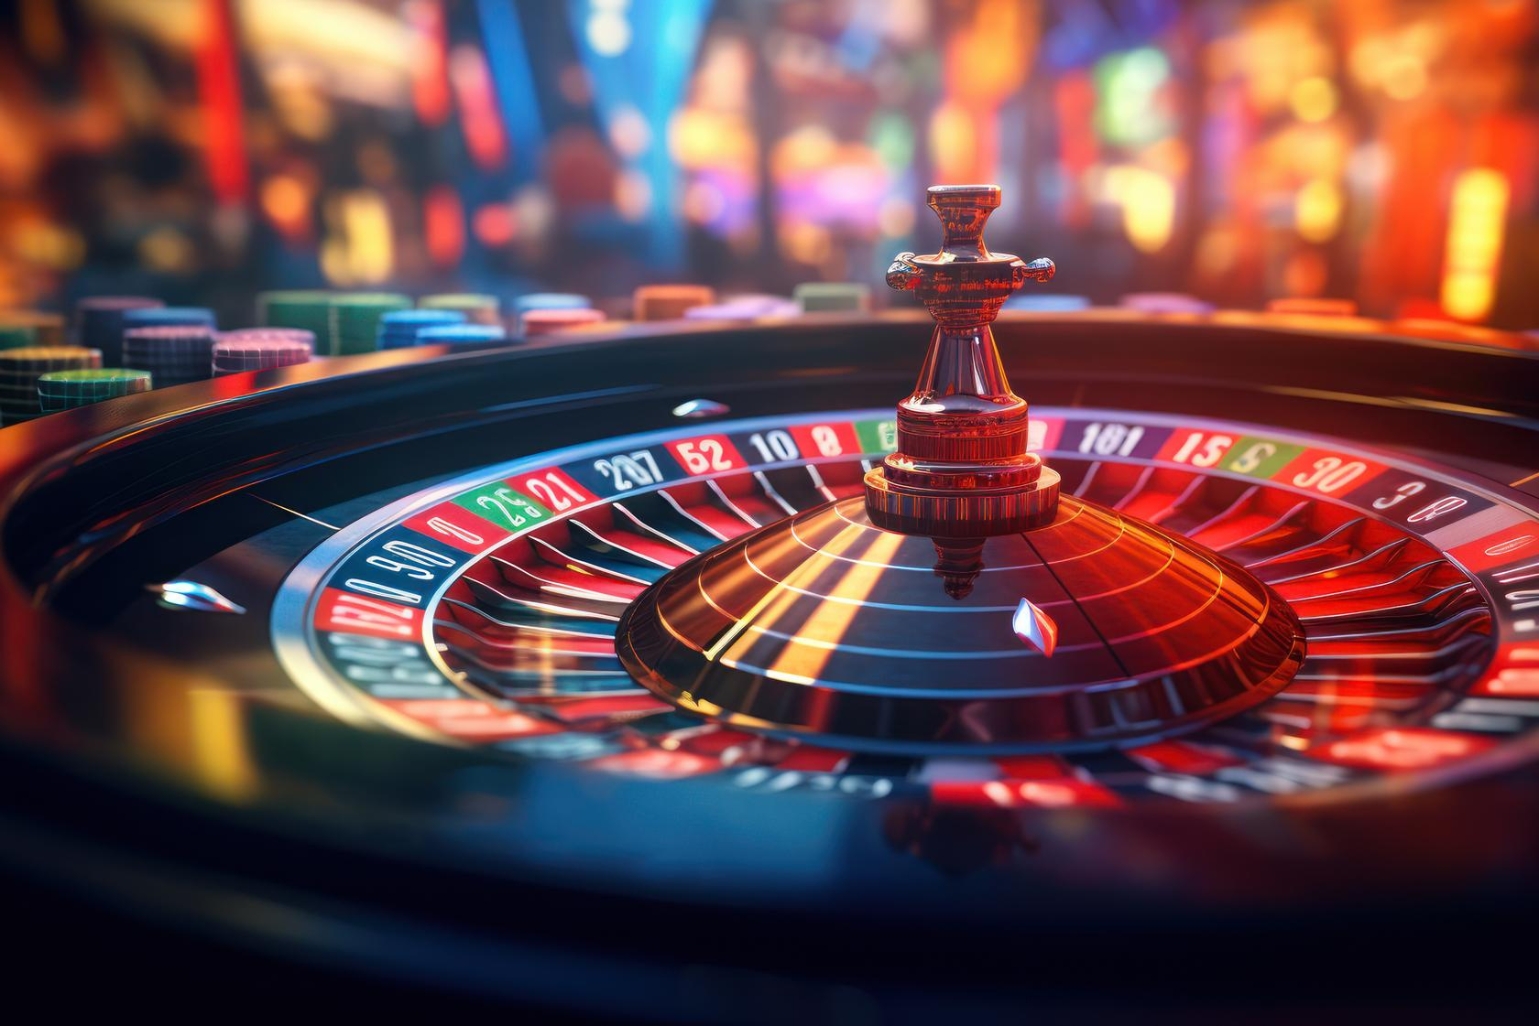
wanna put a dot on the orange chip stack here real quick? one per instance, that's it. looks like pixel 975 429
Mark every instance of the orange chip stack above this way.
pixel 668 302
pixel 546 322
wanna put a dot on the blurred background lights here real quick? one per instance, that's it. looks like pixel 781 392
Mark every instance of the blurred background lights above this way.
pixel 1475 224
pixel 609 30
pixel 1317 212
pixel 1241 151
pixel 1313 99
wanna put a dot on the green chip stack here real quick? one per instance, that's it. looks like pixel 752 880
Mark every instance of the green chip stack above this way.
pixel 355 320
pixel 309 310
pixel 14 336
pixel 20 369
pixel 478 309
pixel 833 296
pixel 64 390
pixel 47 328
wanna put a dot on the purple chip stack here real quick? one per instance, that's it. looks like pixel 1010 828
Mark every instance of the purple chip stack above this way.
pixel 173 353
pixel 250 349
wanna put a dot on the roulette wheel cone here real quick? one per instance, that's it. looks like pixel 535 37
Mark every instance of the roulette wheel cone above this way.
pixel 1056 623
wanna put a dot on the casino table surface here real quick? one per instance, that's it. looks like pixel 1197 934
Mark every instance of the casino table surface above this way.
pixel 316 679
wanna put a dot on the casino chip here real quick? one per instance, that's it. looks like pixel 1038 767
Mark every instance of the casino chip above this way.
pixel 14 336
pixel 1164 303
pixel 544 322
pixel 461 335
pixel 833 296
pixel 355 319
pixel 173 353
pixel 307 309
pixel 252 349
pixel 477 308
pixel 398 329
pixel 99 322
pixel 550 301
pixel 749 306
pixel 1050 303
pixel 47 328
pixel 63 390
pixel 669 302
pixel 20 369
pixel 158 316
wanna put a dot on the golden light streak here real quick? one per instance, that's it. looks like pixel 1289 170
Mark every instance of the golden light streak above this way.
pixel 1148 202
pixel 1476 222
pixel 220 753
pixel 832 620
pixel 842 541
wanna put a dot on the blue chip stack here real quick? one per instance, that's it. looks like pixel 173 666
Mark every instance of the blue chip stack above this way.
pixel 462 335
pixel 168 317
pixel 399 328
pixel 549 301
pixel 1051 302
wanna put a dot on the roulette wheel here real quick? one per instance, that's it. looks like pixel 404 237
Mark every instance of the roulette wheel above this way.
pixel 667 671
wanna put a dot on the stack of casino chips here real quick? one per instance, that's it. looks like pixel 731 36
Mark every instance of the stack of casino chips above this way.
pixel 168 316
pixel 478 309
pixel 252 349
pixel 20 369
pixel 64 390
pixel 833 296
pixel 1049 302
pixel 745 307
pixel 549 301
pixel 174 353
pixel 308 309
pixel 669 302
pixel 47 328
pixel 99 322
pixel 355 319
pixel 462 335
pixel 546 322
pixel 14 336
pixel 398 329
pixel 1165 303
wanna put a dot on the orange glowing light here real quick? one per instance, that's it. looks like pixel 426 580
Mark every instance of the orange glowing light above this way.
pixel 286 202
pixel 953 141
pixel 1148 202
pixel 494 225
pixel 430 72
pixel 1317 210
pixel 472 81
pixel 443 225
pixel 1476 224
pixel 218 74
pixel 1313 99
